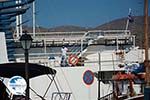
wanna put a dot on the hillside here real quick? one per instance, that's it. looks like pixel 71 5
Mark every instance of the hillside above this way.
pixel 67 28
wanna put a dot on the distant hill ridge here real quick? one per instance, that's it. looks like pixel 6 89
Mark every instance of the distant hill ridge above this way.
pixel 136 28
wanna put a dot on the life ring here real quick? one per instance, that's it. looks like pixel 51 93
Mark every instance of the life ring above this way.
pixel 73 59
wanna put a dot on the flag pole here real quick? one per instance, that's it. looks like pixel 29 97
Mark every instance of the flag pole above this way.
pixel 127 24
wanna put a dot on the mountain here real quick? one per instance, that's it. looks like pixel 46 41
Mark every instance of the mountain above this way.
pixel 67 28
pixel 38 29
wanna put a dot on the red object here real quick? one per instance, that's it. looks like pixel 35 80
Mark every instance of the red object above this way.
pixel 120 76
pixel 73 59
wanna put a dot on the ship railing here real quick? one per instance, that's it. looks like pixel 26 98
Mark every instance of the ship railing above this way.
pixel 81 37
pixel 58 35
pixel 89 37
pixel 115 37
pixel 45 58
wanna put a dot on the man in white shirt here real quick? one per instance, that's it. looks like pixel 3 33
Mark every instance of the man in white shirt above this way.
pixel 64 56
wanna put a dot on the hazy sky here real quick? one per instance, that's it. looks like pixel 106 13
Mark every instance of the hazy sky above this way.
pixel 86 13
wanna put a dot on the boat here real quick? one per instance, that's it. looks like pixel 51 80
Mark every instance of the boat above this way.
pixel 69 82
pixel 100 53
pixel 9 70
pixel 69 79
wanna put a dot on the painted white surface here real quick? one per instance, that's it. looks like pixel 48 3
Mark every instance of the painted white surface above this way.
pixel 69 79
pixel 3 50
pixel 108 60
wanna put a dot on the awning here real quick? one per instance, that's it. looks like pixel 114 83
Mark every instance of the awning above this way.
pixel 9 70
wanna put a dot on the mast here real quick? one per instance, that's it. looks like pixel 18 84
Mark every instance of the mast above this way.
pixel 33 18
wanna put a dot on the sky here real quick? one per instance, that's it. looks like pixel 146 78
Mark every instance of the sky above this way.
pixel 85 13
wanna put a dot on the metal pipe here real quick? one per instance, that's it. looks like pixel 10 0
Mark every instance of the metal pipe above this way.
pixel 99 75
pixel 27 74
pixel 146 29
pixel 33 18
pixel 146 62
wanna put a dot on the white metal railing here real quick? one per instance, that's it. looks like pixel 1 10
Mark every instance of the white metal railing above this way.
pixel 43 34
pixel 108 58
pixel 83 37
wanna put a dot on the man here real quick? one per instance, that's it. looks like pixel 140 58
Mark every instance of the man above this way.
pixel 64 56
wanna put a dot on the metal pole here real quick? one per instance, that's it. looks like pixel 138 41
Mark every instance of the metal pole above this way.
pixel 20 21
pixel 81 46
pixel 27 74
pixel 146 29
pixel 146 62
pixel 117 44
pixel 17 22
pixel 99 75
pixel 147 67
pixel 33 18
pixel 134 41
